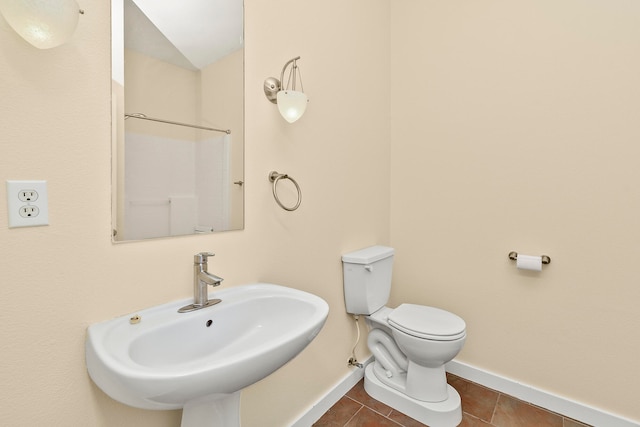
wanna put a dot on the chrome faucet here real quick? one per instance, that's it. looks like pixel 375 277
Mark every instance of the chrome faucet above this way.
pixel 201 279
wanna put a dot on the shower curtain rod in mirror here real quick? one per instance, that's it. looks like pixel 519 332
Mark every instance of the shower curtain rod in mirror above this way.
pixel 144 117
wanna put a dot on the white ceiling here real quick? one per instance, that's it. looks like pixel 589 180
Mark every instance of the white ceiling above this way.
pixel 188 33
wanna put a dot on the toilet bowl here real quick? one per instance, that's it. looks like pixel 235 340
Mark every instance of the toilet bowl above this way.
pixel 410 343
pixel 430 337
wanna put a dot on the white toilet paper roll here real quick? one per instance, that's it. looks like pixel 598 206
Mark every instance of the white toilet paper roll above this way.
pixel 529 262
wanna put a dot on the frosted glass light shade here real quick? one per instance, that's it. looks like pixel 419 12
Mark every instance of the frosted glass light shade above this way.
pixel 43 23
pixel 292 104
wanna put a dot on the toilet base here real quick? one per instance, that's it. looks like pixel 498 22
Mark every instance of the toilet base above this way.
pixel 447 413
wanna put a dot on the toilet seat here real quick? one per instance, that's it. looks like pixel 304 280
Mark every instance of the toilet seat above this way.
pixel 428 323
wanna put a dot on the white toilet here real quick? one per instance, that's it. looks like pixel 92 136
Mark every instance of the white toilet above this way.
pixel 410 343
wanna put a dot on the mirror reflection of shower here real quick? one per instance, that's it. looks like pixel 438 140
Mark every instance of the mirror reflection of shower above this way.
pixel 178 139
pixel 175 185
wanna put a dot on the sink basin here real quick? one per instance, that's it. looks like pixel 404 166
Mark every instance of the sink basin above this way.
pixel 157 358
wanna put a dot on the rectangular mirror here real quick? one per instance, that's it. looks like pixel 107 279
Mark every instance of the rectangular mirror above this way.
pixel 178 117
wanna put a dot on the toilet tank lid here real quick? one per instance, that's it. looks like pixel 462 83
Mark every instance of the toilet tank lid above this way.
pixel 368 255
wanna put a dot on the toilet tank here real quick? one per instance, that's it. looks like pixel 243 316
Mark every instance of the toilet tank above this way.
pixel 367 279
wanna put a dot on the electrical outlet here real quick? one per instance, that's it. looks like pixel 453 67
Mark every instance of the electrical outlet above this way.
pixel 28 195
pixel 27 203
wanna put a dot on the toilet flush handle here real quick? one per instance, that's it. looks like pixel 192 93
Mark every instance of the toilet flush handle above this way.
pixel 369 268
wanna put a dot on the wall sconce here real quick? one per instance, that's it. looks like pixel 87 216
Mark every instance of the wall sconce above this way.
pixel 43 23
pixel 291 103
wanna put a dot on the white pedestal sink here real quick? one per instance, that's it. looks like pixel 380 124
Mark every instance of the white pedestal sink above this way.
pixel 157 358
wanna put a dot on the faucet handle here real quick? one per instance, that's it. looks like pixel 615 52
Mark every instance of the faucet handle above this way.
pixel 201 258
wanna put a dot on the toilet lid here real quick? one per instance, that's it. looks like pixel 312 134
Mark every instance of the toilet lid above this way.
pixel 427 322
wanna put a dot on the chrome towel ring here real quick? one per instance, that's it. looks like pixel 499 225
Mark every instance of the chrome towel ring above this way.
pixel 274 177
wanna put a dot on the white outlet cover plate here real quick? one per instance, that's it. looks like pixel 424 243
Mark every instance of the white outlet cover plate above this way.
pixel 14 203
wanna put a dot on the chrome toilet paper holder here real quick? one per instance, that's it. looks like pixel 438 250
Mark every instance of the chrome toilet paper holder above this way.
pixel 513 256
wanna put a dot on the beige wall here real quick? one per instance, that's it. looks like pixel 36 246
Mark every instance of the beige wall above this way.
pixel 515 127
pixel 512 128
pixel 55 118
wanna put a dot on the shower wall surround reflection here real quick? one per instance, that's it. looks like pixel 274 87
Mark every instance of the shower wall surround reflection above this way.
pixel 172 179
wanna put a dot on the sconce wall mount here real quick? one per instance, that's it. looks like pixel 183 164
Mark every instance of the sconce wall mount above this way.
pixel 291 103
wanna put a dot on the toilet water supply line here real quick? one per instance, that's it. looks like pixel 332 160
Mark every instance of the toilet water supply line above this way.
pixel 353 361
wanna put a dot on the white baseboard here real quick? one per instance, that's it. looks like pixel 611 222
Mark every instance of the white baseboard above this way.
pixel 567 407
pixel 561 405
pixel 328 400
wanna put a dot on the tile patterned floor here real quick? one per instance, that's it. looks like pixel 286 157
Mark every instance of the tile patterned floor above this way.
pixel 481 406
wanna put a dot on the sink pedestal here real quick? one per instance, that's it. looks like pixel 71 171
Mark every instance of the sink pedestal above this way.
pixel 221 410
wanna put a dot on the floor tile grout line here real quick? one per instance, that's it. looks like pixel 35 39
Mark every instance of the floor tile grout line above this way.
pixel 380 413
pixel 355 400
pixel 495 408
pixel 376 412
pixel 363 405
pixel 475 417
pixel 354 415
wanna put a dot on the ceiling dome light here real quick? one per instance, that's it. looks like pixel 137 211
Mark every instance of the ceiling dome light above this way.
pixel 43 23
